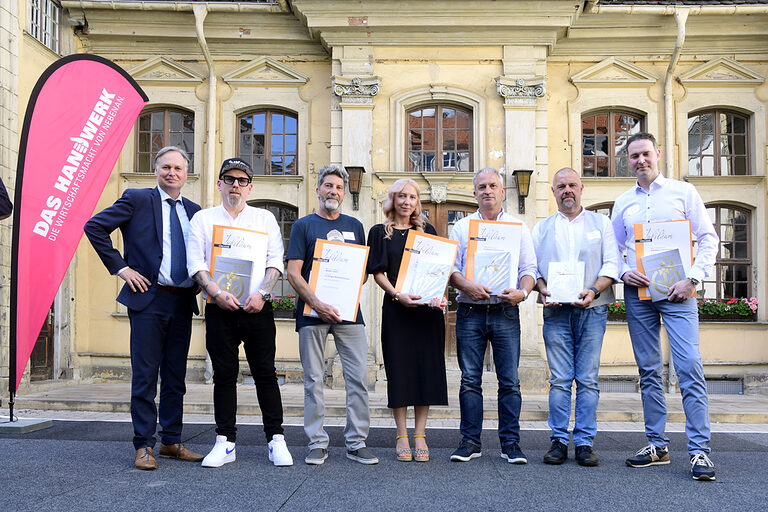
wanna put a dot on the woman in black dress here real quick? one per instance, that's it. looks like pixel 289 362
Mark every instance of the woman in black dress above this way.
pixel 412 334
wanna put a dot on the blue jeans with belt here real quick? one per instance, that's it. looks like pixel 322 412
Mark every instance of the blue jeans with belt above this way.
pixel 476 325
pixel 681 320
pixel 573 338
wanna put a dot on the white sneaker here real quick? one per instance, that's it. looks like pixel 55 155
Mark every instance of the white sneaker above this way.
pixel 278 451
pixel 223 452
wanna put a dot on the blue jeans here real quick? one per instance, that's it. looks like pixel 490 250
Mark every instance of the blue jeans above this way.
pixel 476 325
pixel 682 323
pixel 573 338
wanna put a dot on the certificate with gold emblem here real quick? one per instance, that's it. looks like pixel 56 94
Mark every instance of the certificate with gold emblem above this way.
pixel 493 253
pixel 658 237
pixel 337 276
pixel 426 265
pixel 663 269
pixel 235 252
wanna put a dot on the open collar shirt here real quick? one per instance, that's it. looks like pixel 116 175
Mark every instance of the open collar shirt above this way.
pixel 255 219
pixel 526 265
pixel 666 199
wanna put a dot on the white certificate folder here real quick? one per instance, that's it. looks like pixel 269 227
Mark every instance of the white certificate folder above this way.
pixel 337 276
pixel 426 265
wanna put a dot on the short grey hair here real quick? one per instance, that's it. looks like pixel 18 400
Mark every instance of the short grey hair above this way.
pixel 335 170
pixel 486 170
pixel 168 149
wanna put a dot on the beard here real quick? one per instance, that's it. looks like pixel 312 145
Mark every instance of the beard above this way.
pixel 234 200
pixel 331 204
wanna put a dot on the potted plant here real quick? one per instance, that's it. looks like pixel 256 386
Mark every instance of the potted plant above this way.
pixel 617 312
pixel 284 307
pixel 737 310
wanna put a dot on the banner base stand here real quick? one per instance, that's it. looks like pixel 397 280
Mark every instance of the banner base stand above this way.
pixel 23 425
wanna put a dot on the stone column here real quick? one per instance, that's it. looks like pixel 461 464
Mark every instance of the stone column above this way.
pixel 523 104
pixel 356 138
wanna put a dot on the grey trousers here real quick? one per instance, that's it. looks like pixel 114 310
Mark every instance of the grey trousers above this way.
pixel 352 346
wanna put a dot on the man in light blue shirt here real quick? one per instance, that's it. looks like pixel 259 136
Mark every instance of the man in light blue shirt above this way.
pixel 573 332
pixel 482 317
pixel 655 199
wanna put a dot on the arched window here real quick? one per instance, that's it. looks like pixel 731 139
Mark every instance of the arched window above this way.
pixel 718 143
pixel 733 269
pixel 162 127
pixel 604 137
pixel 286 215
pixel 267 140
pixel 439 139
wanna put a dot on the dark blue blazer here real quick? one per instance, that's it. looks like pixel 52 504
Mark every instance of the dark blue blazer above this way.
pixel 138 214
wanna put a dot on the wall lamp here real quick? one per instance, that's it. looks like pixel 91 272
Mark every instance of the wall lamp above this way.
pixel 355 181
pixel 523 178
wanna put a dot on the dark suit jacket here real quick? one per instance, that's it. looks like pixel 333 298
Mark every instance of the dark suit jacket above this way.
pixel 6 207
pixel 138 214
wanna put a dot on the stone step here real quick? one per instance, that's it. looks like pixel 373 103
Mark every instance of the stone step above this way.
pixel 624 407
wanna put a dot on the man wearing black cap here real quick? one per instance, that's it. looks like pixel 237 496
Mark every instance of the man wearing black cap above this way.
pixel 234 315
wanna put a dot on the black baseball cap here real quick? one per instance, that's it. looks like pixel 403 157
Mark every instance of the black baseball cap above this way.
pixel 235 163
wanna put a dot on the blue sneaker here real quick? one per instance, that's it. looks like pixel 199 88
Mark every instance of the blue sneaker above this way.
pixel 701 467
pixel 513 454
pixel 466 452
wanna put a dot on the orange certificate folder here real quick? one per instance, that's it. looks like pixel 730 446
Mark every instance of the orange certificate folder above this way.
pixel 235 252
pixel 426 265
pixel 493 253
pixel 337 276
pixel 656 237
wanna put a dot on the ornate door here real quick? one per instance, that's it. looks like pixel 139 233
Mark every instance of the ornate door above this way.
pixel 443 216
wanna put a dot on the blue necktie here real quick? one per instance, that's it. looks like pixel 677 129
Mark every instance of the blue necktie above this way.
pixel 178 249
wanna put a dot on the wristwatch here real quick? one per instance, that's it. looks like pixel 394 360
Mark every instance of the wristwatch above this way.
pixel 694 281
pixel 265 295
pixel 597 293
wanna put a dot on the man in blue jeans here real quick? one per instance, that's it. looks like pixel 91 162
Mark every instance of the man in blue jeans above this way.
pixel 574 326
pixel 656 198
pixel 482 317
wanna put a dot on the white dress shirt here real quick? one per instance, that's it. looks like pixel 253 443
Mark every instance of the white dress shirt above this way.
pixel 164 277
pixel 256 219
pixel 666 199
pixel 569 235
pixel 526 265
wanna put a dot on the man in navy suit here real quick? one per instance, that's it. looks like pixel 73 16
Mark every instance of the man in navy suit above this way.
pixel 160 298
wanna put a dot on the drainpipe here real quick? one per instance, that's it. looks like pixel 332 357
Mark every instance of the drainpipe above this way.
pixel 681 15
pixel 201 12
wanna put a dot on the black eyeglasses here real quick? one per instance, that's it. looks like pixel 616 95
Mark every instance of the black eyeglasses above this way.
pixel 230 180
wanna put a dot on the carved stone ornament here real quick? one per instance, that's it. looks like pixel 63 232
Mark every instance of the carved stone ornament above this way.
pixel 438 193
pixel 365 87
pixel 520 88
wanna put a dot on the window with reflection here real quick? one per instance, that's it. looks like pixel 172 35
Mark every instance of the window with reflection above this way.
pixel 158 128
pixel 268 141
pixel 285 215
pixel 733 270
pixel 718 143
pixel 604 137
pixel 439 139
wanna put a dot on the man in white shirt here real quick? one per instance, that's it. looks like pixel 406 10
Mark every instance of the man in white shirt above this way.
pixel 573 331
pixel 248 318
pixel 656 198
pixel 482 317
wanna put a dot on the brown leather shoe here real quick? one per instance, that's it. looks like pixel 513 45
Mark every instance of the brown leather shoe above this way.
pixel 179 451
pixel 145 459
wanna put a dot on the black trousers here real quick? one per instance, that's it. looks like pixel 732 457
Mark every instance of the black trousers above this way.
pixel 224 332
